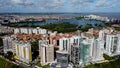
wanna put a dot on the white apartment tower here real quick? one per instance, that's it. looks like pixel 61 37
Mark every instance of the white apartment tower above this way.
pixel 98 50
pixel 112 44
pixel 23 52
pixel 64 44
pixel 46 52
pixel 101 35
pixel 7 44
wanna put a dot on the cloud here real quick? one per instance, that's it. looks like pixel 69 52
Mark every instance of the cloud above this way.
pixel 16 1
pixel 5 4
pixel 51 4
pixel 42 4
pixel 104 3
pixel 81 2
pixel 23 2
pixel 59 5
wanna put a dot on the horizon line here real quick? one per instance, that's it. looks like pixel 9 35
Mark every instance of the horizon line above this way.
pixel 50 12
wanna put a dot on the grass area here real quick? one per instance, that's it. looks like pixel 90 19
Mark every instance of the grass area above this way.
pixel 6 64
pixel 106 57
pixel 114 62
pixel 45 66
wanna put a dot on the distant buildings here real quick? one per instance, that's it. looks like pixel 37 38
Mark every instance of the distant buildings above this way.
pixel 95 17
pixel 30 31
pixel 5 30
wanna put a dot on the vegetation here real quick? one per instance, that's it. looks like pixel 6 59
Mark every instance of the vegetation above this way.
pixel 1 42
pixel 108 24
pixel 6 64
pixel 61 27
pixel 67 27
pixel 79 18
pixel 106 57
pixel 113 62
pixel 55 49
pixel 35 49
pixel 9 55
pixel 64 27
pixel 117 28
pixel 88 26
pixel 45 66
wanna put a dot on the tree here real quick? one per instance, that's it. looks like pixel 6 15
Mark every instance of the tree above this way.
pixel 9 55
pixel 35 48
pixel 1 42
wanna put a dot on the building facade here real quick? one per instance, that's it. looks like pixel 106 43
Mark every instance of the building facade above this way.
pixel 112 44
pixel 46 52
pixel 62 58
pixel 7 44
pixel 23 52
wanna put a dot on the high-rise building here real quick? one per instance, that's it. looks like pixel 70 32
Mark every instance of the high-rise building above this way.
pixel 85 52
pixel 112 44
pixel 16 31
pixel 29 31
pixel 75 54
pixel 97 50
pixel 7 44
pixel 62 58
pixel 35 31
pixel 23 30
pixel 101 35
pixel 23 51
pixel 64 44
pixel 75 40
pixel 46 52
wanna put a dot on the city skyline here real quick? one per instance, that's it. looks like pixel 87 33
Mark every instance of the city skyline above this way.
pixel 45 6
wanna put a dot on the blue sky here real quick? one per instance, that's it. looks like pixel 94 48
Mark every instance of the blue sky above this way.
pixel 32 6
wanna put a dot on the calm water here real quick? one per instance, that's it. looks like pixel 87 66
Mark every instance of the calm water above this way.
pixel 109 15
pixel 77 22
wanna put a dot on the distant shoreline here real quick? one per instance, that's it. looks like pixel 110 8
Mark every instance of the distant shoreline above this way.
pixel 57 12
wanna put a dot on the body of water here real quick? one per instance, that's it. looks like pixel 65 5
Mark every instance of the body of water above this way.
pixel 78 22
pixel 109 15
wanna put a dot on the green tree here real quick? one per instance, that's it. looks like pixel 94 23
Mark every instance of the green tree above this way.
pixel 1 42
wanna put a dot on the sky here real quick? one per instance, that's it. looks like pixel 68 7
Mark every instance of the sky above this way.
pixel 79 6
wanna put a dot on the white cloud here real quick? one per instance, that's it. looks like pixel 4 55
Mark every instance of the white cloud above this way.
pixel 105 3
pixel 23 2
pixel 16 1
pixel 5 4
pixel 51 4
pixel 60 5
pixel 81 2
